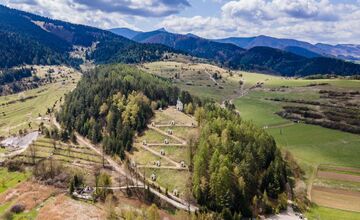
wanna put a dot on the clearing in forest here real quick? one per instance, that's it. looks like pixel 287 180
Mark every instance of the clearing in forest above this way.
pixel 162 152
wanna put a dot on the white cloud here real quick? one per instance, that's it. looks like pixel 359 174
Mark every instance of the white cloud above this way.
pixel 311 20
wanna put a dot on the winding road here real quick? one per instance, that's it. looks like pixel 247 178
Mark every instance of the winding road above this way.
pixel 176 202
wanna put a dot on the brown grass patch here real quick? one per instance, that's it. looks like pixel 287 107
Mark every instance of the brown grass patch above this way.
pixel 31 194
pixel 169 114
pixel 337 168
pixel 338 176
pixel 63 207
pixel 336 198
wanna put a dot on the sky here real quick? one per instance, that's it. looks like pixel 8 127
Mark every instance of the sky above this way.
pixel 326 21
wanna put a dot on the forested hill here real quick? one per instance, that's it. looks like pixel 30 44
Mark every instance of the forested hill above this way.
pixel 237 167
pixel 265 59
pixel 118 98
pixel 31 39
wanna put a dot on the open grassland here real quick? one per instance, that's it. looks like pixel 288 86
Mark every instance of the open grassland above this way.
pixel 144 157
pixel 169 174
pixel 197 78
pixel 336 198
pixel 311 145
pixel 32 195
pixel 182 132
pixel 322 213
pixel 314 145
pixel 278 81
pixel 18 110
pixel 170 179
pixel 151 136
pixel 175 153
pixel 165 117
pixel 9 180
pixel 45 148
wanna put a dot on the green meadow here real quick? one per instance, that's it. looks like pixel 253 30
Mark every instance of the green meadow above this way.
pixel 323 213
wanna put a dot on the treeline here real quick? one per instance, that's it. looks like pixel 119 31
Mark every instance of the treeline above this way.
pixel 113 102
pixel 13 75
pixel 237 166
pixel 121 50
pixel 343 119
pixel 17 49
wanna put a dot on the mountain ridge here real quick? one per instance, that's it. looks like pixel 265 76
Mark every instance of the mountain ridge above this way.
pixel 289 61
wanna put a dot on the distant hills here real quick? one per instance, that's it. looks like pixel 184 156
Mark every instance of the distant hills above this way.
pixel 302 48
pixel 263 54
pixel 26 38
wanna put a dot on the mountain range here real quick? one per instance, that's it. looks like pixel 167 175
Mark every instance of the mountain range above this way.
pixel 302 48
pixel 27 38
pixel 263 54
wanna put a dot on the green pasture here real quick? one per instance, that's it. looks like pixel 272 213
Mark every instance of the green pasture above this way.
pixel 9 180
pixel 18 115
pixel 175 153
pixel 323 213
pixel 177 181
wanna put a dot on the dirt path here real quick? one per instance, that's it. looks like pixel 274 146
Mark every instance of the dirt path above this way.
pixel 168 135
pixel 176 164
pixel 164 145
pixel 310 183
pixel 163 167
pixel 176 202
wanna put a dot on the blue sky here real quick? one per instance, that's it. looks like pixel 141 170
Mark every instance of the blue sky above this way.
pixel 328 21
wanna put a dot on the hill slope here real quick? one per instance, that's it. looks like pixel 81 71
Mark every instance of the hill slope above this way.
pixel 285 61
pixel 342 51
pixel 32 39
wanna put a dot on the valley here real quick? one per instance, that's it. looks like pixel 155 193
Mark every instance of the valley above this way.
pixel 161 125
pixel 312 146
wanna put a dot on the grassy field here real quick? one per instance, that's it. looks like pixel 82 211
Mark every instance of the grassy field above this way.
pixel 152 136
pixel 310 145
pixel 44 148
pixel 143 157
pixel 175 153
pixel 182 132
pixel 169 175
pixel 9 180
pixel 170 179
pixel 16 114
pixel 322 213
pixel 315 145
pixel 196 78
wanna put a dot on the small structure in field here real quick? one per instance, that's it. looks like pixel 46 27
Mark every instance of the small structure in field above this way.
pixel 170 131
pixel 153 124
pixel 176 193
pixel 158 163
pixel 144 142
pixel 166 141
pixel 179 105
pixel 172 123
pixel 162 152
pixel 182 163
pixel 133 163
pixel 153 177
pixel 85 193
